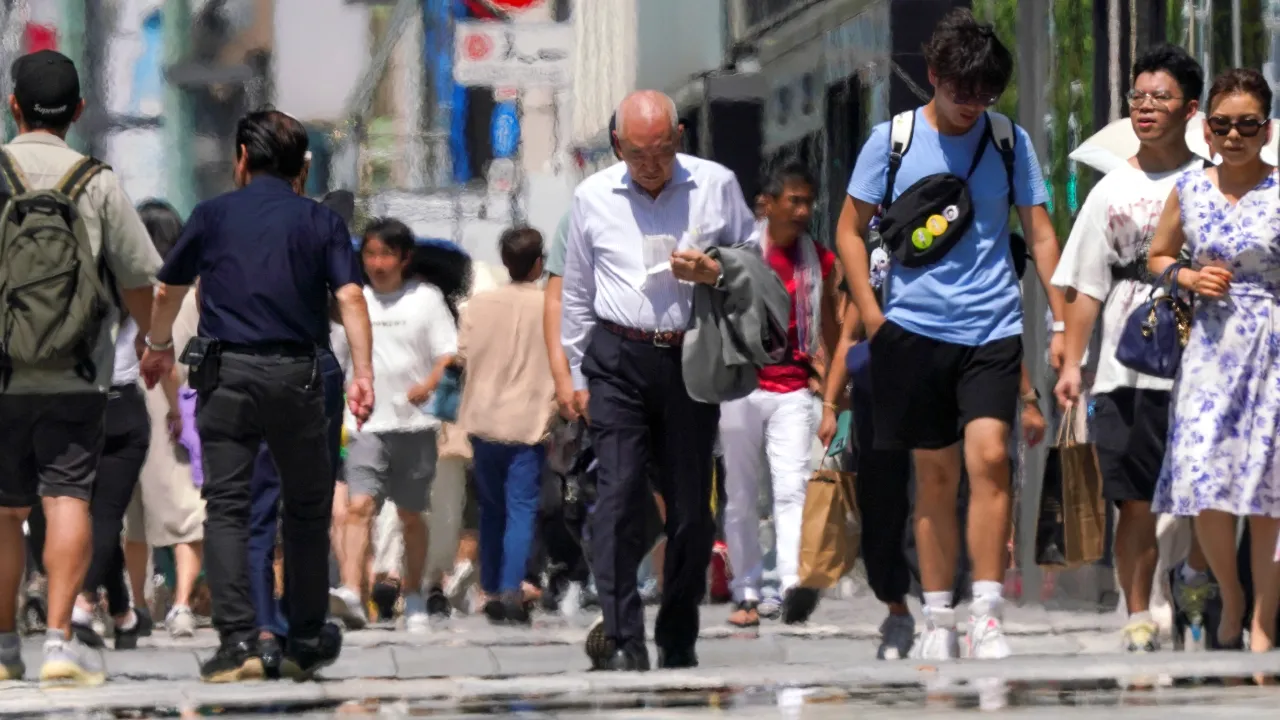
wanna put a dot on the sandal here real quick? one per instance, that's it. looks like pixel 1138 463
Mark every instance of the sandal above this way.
pixel 745 615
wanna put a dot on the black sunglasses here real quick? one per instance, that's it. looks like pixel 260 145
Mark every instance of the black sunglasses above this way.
pixel 1247 127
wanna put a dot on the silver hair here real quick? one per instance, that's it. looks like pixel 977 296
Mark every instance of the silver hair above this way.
pixel 672 114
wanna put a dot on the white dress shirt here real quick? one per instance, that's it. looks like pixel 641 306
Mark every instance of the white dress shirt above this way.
pixel 605 274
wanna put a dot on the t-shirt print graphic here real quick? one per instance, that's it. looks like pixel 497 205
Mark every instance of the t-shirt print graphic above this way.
pixel 1132 227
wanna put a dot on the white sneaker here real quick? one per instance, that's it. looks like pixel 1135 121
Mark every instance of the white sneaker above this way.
pixel 180 621
pixel 938 641
pixel 416 619
pixel 986 640
pixel 571 601
pixel 344 604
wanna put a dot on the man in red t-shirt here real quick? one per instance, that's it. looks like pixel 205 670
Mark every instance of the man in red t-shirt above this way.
pixel 778 422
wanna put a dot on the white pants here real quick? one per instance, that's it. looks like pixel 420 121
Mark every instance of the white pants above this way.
pixel 779 428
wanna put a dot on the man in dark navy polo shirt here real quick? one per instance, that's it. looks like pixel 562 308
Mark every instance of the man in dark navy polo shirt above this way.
pixel 267 260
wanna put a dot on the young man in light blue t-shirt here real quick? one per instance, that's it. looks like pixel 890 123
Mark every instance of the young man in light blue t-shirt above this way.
pixel 946 349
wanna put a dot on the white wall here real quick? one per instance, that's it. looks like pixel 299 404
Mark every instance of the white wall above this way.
pixel 604 62
pixel 677 39
pixel 317 61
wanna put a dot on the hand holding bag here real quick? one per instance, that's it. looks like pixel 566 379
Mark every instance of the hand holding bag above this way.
pixel 1156 332
pixel 829 534
pixel 1072 526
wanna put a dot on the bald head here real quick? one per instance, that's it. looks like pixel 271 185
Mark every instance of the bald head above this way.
pixel 647 112
pixel 648 138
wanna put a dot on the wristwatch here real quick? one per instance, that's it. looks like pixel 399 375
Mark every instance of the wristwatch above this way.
pixel 1031 397
pixel 720 279
pixel 1059 326
pixel 158 347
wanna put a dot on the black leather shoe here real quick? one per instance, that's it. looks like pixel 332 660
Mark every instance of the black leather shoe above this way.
pixel 677 658
pixel 272 656
pixel 235 662
pixel 628 659
pixel 514 609
pixel 304 657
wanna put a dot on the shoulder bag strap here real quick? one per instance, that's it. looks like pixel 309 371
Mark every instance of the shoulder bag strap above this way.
pixel 983 142
pixel 73 184
pixel 11 175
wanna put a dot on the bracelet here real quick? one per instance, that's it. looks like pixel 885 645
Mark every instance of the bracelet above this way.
pixel 158 347
pixel 830 406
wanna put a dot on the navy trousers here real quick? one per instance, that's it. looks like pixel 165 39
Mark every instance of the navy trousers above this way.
pixel 264 491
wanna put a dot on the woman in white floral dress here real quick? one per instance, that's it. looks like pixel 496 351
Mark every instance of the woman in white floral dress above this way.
pixel 1223 458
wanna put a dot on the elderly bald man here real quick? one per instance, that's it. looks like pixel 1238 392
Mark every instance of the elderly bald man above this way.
pixel 637 239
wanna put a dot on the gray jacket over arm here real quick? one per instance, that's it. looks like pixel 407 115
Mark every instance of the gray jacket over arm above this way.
pixel 737 329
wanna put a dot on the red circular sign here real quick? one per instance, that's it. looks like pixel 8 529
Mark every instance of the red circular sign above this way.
pixel 479 10
pixel 478 46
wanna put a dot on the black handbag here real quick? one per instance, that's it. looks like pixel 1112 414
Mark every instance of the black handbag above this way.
pixel 1155 334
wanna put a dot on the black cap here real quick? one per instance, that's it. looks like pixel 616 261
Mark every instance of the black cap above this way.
pixel 47 88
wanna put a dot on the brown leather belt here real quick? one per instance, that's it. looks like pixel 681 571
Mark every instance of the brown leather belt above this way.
pixel 660 338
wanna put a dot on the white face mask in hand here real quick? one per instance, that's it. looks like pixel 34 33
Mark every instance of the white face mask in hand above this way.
pixel 657 253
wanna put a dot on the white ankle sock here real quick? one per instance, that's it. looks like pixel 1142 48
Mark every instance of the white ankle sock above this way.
pixel 81 617
pixel 988 596
pixel 1144 616
pixel 130 622
pixel 937 600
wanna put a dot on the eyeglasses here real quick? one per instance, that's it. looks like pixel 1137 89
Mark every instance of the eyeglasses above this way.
pixel 1160 99
pixel 1247 127
pixel 967 98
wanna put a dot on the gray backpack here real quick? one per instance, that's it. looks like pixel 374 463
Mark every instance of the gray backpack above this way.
pixel 53 297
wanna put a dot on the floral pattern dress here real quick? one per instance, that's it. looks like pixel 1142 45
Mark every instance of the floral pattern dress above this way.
pixel 1223 439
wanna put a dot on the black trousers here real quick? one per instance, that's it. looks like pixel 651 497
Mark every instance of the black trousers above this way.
pixel 640 412
pixel 278 399
pixel 123 454
pixel 885 490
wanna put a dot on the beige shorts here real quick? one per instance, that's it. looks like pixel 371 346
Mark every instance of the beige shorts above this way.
pixel 166 508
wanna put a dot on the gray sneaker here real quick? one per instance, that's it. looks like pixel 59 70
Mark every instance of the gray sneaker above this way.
pixel 180 621
pixel 897 635
pixel 11 665
pixel 70 662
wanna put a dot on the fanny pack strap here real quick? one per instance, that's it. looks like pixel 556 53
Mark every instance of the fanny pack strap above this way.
pixel 986 140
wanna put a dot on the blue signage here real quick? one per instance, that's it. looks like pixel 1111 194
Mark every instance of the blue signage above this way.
pixel 504 130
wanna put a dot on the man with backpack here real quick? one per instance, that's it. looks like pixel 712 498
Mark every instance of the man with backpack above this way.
pixel 946 350
pixel 72 251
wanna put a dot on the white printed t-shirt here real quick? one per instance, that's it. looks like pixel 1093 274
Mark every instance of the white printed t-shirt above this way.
pixel 1114 229
pixel 412 329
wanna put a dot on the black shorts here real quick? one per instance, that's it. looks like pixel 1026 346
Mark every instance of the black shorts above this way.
pixel 1130 431
pixel 927 391
pixel 50 446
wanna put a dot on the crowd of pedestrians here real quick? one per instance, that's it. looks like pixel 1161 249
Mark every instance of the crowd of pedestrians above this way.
pixel 330 430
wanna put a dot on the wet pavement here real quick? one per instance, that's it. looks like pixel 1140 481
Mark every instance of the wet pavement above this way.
pixel 1065 666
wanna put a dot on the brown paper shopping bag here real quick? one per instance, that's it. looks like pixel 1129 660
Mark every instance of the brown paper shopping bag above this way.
pixel 829 532
pixel 1072 526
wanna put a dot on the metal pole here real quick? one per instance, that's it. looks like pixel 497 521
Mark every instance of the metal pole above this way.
pixel 178 121
pixel 1033 106
pixel 1237 43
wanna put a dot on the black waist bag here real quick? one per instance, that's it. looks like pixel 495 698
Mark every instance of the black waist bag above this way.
pixel 928 218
